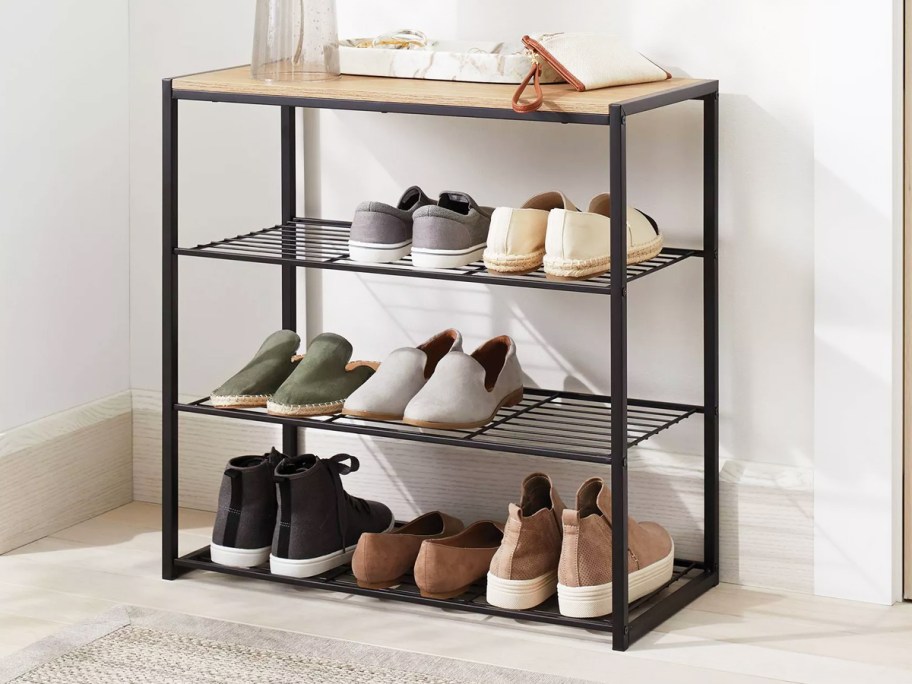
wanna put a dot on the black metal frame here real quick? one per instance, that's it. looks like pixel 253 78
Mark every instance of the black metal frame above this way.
pixel 529 428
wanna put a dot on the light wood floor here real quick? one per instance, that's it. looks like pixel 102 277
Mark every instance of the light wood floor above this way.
pixel 733 634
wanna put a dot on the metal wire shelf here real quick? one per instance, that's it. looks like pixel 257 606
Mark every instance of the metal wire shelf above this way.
pixel 553 424
pixel 686 576
pixel 574 429
pixel 316 243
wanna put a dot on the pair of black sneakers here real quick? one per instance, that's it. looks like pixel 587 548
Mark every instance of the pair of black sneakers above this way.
pixel 292 511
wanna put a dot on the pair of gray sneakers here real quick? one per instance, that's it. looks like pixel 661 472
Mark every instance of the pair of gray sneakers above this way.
pixel 449 233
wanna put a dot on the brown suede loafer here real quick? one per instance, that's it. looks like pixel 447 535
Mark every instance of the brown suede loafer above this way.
pixel 381 559
pixel 447 567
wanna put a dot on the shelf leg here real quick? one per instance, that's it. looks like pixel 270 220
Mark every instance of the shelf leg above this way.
pixel 711 330
pixel 618 168
pixel 289 250
pixel 169 334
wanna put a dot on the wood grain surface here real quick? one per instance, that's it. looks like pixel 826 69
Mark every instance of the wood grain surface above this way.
pixel 560 97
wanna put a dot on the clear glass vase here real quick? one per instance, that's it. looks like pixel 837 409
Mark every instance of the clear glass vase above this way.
pixel 295 40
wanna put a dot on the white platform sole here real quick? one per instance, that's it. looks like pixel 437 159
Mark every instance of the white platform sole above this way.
pixel 595 601
pixel 375 253
pixel 238 558
pixel 308 567
pixel 446 258
pixel 521 594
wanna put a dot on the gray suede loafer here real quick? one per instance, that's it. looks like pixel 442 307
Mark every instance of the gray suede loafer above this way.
pixel 263 375
pixel 451 233
pixel 381 233
pixel 465 391
pixel 400 377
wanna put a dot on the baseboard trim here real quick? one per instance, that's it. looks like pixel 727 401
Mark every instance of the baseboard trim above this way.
pixel 62 423
pixel 66 468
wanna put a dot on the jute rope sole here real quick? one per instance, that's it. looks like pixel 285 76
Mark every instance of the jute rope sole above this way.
pixel 327 409
pixel 513 263
pixel 240 401
pixel 586 268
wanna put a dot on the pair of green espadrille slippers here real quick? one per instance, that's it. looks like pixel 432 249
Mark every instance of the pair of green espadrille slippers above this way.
pixel 287 384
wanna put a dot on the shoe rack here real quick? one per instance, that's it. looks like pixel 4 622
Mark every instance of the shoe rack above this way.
pixel 555 424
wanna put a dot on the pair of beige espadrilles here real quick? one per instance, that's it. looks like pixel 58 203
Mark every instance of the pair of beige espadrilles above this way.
pixel 549 230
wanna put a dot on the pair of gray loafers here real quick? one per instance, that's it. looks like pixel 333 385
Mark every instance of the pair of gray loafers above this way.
pixel 436 385
pixel 288 384
pixel 448 233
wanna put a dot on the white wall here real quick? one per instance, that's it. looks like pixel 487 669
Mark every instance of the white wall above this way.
pixel 64 183
pixel 775 132
pixel 229 181
pixel 858 316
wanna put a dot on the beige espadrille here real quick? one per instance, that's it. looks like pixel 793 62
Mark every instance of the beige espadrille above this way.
pixel 516 240
pixel 578 244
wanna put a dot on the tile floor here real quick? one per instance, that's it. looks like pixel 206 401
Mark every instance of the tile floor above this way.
pixel 733 634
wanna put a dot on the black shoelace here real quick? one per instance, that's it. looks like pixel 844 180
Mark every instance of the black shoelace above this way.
pixel 337 468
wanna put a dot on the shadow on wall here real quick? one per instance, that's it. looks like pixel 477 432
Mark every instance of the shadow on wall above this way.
pixel 568 346
pixel 766 259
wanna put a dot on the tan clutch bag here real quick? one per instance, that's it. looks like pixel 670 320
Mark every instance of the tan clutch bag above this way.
pixel 586 61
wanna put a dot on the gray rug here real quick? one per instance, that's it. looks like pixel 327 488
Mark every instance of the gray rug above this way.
pixel 138 645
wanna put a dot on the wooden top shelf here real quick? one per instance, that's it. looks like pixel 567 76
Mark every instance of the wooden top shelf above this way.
pixel 373 93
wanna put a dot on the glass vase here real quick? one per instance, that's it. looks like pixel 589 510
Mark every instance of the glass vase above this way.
pixel 295 40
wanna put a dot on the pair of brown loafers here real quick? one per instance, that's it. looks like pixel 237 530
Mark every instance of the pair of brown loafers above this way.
pixel 445 556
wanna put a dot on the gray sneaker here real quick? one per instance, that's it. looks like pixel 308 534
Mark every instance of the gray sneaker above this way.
pixel 381 233
pixel 319 523
pixel 451 233
pixel 246 518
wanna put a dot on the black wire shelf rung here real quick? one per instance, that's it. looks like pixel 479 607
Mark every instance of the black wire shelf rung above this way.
pixel 565 425
pixel 315 243
pixel 686 574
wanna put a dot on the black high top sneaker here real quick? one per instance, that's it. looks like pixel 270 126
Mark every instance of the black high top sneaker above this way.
pixel 319 522
pixel 246 516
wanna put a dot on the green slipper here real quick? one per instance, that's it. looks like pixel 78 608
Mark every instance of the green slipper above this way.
pixel 258 380
pixel 322 381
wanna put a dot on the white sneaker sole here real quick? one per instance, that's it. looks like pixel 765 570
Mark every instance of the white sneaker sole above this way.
pixel 238 558
pixel 308 567
pixel 446 258
pixel 521 594
pixel 595 601
pixel 376 253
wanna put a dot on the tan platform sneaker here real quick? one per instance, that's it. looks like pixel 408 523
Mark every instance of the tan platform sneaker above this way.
pixel 523 572
pixel 584 575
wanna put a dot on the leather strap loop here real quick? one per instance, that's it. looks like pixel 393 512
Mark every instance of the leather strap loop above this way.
pixel 342 468
pixel 525 107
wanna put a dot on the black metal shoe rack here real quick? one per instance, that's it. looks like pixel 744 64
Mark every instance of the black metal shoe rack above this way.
pixel 596 429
